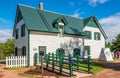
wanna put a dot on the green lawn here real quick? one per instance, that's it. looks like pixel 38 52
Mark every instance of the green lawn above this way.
pixel 84 67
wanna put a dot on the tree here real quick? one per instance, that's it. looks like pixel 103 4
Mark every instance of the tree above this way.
pixel 116 44
pixel 108 45
pixel 9 47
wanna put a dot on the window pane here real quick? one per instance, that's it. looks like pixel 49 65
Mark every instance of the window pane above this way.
pixel 16 51
pixel 24 51
pixel 16 33
pixel 97 36
pixel 88 35
pixel 23 30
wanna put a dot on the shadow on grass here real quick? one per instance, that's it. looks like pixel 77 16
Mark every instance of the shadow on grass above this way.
pixel 109 65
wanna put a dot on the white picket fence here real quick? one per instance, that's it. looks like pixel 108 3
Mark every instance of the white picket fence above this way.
pixel 16 61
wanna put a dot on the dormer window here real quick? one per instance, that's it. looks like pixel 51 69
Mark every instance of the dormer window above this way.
pixel 60 24
pixel 61 29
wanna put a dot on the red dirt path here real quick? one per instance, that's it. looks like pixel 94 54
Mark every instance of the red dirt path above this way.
pixel 112 70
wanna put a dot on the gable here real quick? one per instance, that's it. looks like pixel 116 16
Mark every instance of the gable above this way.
pixel 92 23
pixel 19 17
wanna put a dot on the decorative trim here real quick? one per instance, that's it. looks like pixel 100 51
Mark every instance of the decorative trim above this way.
pixel 28 48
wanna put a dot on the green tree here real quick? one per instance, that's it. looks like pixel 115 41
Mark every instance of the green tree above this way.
pixel 2 56
pixel 116 43
pixel 108 45
pixel 8 47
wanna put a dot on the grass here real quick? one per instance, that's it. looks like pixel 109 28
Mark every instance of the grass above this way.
pixel 16 68
pixel 84 67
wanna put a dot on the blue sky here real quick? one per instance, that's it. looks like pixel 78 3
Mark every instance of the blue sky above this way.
pixel 106 11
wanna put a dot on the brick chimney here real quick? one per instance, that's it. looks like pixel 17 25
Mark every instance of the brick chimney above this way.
pixel 41 6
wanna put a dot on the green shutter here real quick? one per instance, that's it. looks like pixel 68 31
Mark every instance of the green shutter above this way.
pixel 85 34
pixel 90 35
pixel 99 36
pixel 94 35
pixel 88 50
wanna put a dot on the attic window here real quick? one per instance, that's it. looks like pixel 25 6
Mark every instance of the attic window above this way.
pixel 61 29
pixel 61 23
pixel 19 17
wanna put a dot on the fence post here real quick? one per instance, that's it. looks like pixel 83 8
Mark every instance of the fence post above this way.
pixel 60 59
pixel 78 62
pixel 46 61
pixel 6 61
pixel 53 61
pixel 56 57
pixel 89 63
pixel 70 66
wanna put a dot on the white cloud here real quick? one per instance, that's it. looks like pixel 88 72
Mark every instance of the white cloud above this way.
pixel 111 25
pixel 95 2
pixel 76 13
pixel 5 34
pixel 4 21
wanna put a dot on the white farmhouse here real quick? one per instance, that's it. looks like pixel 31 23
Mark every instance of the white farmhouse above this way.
pixel 37 29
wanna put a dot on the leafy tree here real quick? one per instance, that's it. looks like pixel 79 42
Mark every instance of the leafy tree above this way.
pixel 7 48
pixel 116 43
pixel 108 45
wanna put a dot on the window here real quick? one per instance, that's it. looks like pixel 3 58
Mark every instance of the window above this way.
pixel 97 36
pixel 76 51
pixel 87 51
pixel 24 51
pixel 16 34
pixel 88 35
pixel 23 30
pixel 61 29
pixel 16 50
pixel 60 51
pixel 19 16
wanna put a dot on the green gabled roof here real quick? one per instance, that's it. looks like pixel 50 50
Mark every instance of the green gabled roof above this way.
pixel 41 20
pixel 93 22
pixel 86 20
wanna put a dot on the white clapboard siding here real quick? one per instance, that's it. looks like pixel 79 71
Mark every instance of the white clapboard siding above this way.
pixel 16 61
